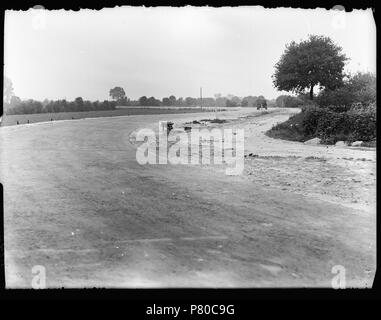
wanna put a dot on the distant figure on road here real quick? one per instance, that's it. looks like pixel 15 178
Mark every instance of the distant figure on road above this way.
pixel 261 103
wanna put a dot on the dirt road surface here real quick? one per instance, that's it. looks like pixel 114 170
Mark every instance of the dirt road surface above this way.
pixel 77 203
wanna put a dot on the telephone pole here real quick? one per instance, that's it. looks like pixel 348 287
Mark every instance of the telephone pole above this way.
pixel 201 96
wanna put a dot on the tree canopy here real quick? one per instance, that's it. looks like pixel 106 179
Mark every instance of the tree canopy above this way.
pixel 359 88
pixel 317 61
pixel 117 93
pixel 260 102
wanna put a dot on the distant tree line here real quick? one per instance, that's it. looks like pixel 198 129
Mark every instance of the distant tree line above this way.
pixel 14 105
pixel 217 101
pixel 17 106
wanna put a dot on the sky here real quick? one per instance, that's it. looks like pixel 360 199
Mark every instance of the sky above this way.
pixel 168 51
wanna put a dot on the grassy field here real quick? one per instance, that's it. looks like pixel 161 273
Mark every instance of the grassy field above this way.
pixel 10 120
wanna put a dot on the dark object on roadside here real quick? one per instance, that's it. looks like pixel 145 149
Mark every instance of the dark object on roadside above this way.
pixel 28 121
pixel 17 122
pixel 51 119
pixel 262 107
pixel 196 122
pixel 252 155
pixel 218 121
pixel 72 117
pixel 169 127
pixel 187 129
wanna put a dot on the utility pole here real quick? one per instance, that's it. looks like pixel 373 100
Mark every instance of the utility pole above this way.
pixel 201 96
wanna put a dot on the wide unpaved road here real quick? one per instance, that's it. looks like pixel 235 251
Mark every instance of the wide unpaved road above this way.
pixel 77 202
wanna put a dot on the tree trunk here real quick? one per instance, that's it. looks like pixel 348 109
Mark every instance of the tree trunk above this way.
pixel 312 92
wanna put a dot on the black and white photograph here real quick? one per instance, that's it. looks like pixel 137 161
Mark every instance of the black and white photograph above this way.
pixel 189 147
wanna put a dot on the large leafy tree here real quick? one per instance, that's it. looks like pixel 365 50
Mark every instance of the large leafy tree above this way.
pixel 317 61
pixel 117 93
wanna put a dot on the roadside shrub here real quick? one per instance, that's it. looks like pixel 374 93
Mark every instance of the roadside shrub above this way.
pixel 369 109
pixel 329 125
pixel 292 129
pixel 333 126
pixel 364 127
pixel 338 108
pixel 364 121
pixel 310 119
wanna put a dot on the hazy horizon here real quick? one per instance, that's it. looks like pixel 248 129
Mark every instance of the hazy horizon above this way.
pixel 168 51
